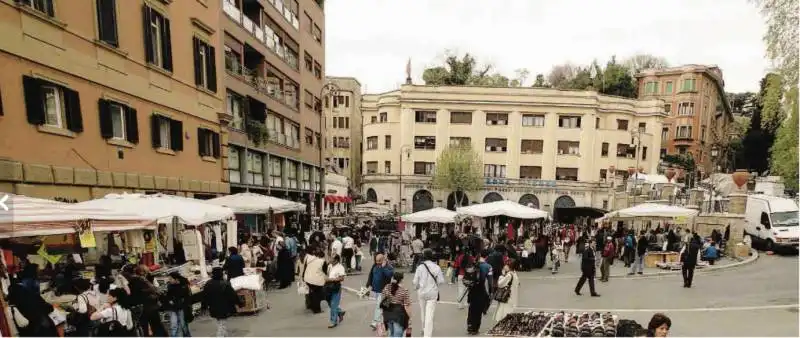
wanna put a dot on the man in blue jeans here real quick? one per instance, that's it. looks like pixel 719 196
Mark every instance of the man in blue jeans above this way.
pixel 380 274
pixel 333 283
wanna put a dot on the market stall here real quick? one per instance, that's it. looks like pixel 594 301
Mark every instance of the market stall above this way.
pixel 565 324
pixel 648 212
pixel 44 232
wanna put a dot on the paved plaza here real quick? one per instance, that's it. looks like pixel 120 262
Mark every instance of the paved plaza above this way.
pixel 758 299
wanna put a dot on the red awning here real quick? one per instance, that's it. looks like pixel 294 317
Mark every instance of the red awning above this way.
pixel 338 199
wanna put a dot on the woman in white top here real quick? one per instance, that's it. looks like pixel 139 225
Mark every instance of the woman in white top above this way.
pixel 246 253
pixel 509 278
pixel 114 311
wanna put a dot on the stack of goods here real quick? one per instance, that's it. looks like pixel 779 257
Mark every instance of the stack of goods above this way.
pixel 560 324
pixel 528 324
pixel 582 325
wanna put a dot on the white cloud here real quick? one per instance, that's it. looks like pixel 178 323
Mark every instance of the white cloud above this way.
pixel 372 40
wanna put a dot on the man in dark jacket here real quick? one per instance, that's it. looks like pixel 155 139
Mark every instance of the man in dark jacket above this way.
pixel 495 260
pixel 689 260
pixel 588 269
pixel 220 300
pixel 234 264
pixel 145 293
pixel 641 249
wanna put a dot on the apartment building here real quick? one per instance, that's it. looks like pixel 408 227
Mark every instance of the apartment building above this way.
pixel 698 110
pixel 101 96
pixel 343 125
pixel 274 53
pixel 545 147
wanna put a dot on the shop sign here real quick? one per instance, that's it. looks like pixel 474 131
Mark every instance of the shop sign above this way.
pixel 528 182
pixel 86 234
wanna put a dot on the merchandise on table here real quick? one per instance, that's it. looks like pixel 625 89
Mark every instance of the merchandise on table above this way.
pixel 563 324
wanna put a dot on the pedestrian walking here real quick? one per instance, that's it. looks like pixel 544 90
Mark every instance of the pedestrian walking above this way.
pixel 416 252
pixel 641 249
pixel 688 258
pixel 426 281
pixel 220 300
pixel 348 251
pixel 507 284
pixel 314 278
pixel 396 308
pixel 379 276
pixel 478 279
pixel 178 305
pixel 588 269
pixel 609 251
pixel 333 289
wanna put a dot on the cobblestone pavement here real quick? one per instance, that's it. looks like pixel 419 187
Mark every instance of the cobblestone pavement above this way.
pixel 758 299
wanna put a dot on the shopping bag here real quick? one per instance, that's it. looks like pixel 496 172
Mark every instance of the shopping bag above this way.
pixel 380 330
pixel 449 274
pixel 302 288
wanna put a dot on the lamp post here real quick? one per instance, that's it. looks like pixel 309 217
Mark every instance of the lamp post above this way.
pixel 636 142
pixel 714 154
pixel 407 150
pixel 329 89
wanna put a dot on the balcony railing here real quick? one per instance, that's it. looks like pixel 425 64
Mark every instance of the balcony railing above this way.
pixel 261 84
pixel 287 14
pixel 259 34
pixel 233 64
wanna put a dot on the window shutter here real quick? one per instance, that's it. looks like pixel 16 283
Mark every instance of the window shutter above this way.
pixel 72 101
pixel 155 136
pixel 176 135
pixel 201 135
pixel 50 10
pixel 211 68
pixel 34 102
pixel 198 72
pixel 131 125
pixel 149 52
pixel 107 21
pixel 215 144
pixel 166 44
pixel 106 126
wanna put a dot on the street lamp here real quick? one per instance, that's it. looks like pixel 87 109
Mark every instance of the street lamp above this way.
pixel 405 149
pixel 714 154
pixel 636 142
pixel 329 89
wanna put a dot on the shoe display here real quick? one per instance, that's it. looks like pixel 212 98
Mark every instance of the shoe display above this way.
pixel 559 324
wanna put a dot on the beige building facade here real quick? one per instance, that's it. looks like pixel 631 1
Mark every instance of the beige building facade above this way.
pixel 343 124
pixel 699 113
pixel 274 54
pixel 101 96
pixel 546 147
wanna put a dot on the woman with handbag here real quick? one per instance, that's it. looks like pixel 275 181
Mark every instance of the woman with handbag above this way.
pixel 333 288
pixel 396 306
pixel 115 318
pixel 507 294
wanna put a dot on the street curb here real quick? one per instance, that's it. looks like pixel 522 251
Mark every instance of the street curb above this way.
pixel 750 259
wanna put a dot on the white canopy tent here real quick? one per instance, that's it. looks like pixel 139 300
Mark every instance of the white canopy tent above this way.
pixel 652 210
pixel 251 203
pixel 163 208
pixel 505 208
pixel 439 215
pixel 29 216
pixel 371 208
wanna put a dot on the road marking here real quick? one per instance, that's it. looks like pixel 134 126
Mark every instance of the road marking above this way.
pixel 3 202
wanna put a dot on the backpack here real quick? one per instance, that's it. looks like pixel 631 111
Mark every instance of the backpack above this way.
pixel 471 273
pixel 608 251
pixel 629 241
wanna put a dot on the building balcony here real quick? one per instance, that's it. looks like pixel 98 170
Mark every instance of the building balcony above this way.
pixel 283 9
pixel 254 29
pixel 235 68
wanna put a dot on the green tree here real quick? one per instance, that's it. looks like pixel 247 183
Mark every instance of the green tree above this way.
pixel 463 71
pixel 770 99
pixel 742 104
pixel 458 168
pixel 781 38
pixel 616 80
pixel 639 62
pixel 540 82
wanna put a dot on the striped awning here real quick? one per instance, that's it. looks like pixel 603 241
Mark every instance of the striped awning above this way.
pixel 28 216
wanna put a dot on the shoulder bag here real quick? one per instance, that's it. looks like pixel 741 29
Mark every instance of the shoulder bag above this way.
pixel 438 296
pixel 503 294
pixel 302 287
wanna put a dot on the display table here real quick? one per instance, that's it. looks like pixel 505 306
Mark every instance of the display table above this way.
pixel 652 258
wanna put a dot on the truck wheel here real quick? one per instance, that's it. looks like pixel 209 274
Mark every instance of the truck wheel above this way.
pixel 770 246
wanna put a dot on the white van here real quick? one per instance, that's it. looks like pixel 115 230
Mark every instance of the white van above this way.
pixel 772 222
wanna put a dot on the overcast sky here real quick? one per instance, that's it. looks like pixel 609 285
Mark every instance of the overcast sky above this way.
pixel 372 40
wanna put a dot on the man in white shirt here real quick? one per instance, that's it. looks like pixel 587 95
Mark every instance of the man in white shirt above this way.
pixel 347 252
pixel 416 252
pixel 426 281
pixel 336 247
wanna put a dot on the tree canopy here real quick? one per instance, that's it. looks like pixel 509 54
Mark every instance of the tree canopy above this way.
pixel 458 168
pixel 781 38
pixel 465 71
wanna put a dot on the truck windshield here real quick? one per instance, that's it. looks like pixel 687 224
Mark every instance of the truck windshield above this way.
pixel 785 218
